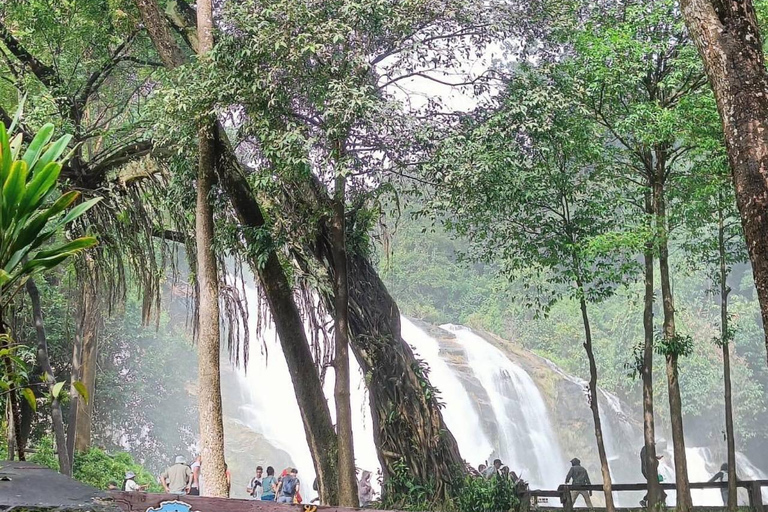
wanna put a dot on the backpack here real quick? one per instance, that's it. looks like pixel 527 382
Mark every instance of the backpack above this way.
pixel 289 486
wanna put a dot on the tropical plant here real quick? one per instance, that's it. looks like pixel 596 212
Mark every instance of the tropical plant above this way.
pixel 32 213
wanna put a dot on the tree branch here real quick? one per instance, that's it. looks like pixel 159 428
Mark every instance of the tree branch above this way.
pixel 43 72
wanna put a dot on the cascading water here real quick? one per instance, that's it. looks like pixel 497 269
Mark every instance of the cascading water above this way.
pixel 512 422
pixel 459 412
pixel 526 440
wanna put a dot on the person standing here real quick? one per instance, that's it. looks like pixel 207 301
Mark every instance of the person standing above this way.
pixel 490 471
pixel 255 488
pixel 195 487
pixel 289 484
pixel 364 489
pixel 177 479
pixel 130 485
pixel 579 475
pixel 269 485
pixel 722 476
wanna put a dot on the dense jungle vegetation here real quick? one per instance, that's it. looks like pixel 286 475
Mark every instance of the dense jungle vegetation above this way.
pixel 587 179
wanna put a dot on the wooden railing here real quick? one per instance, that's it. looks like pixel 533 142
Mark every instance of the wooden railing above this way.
pixel 563 494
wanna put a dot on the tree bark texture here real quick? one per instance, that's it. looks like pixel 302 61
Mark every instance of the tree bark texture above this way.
pixel 315 413
pixel 14 407
pixel 594 404
pixel 728 39
pixel 57 417
pixel 88 358
pixel 684 503
pixel 84 355
pixel 649 428
pixel 725 339
pixel 209 339
pixel 347 481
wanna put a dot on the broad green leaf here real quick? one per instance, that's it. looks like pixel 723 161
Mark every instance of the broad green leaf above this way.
pixel 42 182
pixel 53 152
pixel 30 396
pixel 77 245
pixel 81 390
pixel 56 391
pixel 4 277
pixel 38 143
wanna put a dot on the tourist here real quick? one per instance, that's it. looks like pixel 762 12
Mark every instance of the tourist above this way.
pixel 722 476
pixel 661 445
pixel 579 475
pixel 492 470
pixel 255 489
pixel 112 486
pixel 269 485
pixel 177 479
pixel 228 476
pixel 286 491
pixel 195 487
pixel 481 468
pixel 364 489
pixel 130 485
pixel 297 496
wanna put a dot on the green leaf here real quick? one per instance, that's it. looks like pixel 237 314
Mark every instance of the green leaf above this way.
pixel 56 391
pixel 38 143
pixel 30 396
pixel 77 245
pixel 81 390
pixel 53 152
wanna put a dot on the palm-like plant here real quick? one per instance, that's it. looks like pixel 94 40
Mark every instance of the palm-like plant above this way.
pixel 32 212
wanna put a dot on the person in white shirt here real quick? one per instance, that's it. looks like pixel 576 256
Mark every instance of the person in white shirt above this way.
pixel 255 488
pixel 130 485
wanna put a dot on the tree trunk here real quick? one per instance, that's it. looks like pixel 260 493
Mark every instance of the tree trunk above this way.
pixel 594 404
pixel 346 465
pixel 14 420
pixel 83 370
pixel 65 466
pixel 728 38
pixel 725 338
pixel 88 358
pixel 684 503
pixel 208 344
pixel 313 406
pixel 649 428
pixel 408 424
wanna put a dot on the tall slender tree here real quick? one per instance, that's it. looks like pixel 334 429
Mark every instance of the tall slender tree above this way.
pixel 209 338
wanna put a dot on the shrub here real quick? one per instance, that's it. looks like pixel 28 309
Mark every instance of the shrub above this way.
pixel 96 467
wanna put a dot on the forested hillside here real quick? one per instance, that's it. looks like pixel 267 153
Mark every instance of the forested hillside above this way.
pixel 424 268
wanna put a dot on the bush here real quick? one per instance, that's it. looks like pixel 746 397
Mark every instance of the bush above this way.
pixel 96 467
pixel 477 494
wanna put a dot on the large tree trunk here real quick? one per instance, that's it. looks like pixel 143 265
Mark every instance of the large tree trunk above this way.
pixel 313 406
pixel 346 460
pixel 649 429
pixel 65 465
pixel 209 339
pixel 684 503
pixel 88 358
pixel 728 38
pixel 408 425
pixel 14 407
pixel 83 370
pixel 725 339
pixel 594 403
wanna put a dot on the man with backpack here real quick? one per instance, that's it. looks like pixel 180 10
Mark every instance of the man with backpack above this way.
pixel 289 486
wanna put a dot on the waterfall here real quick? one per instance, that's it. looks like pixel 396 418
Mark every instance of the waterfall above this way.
pixel 492 406
pixel 527 442
pixel 459 413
